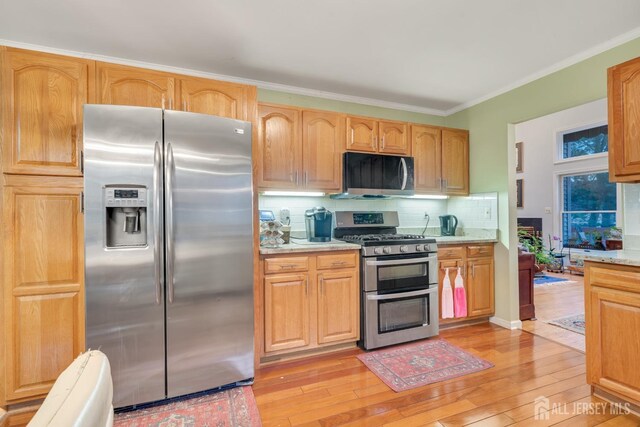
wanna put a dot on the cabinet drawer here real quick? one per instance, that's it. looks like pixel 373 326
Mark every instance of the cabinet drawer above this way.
pixel 336 261
pixel 450 252
pixel 476 251
pixel 622 278
pixel 289 264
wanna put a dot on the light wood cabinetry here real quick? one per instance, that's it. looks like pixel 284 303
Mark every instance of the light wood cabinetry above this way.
pixel 612 302
pixel 122 85
pixel 217 98
pixel 477 269
pixel 455 161
pixel 317 307
pixel 299 149
pixel 43 281
pixel 377 136
pixel 624 121
pixel 426 146
pixel 41 105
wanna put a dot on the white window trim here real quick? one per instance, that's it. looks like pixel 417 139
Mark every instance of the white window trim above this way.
pixel 561 132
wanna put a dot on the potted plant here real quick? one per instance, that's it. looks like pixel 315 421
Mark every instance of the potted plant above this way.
pixel 533 244
pixel 613 239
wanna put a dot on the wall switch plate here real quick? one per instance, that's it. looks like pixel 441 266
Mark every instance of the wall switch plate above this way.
pixel 547 210
pixel 285 216
pixel 487 213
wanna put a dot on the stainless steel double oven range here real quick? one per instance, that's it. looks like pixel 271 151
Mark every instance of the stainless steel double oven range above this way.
pixel 399 278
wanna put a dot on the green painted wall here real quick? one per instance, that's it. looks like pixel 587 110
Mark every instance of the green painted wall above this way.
pixel 492 156
pixel 284 98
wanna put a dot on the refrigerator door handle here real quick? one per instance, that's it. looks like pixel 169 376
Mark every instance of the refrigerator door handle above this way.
pixel 168 191
pixel 157 222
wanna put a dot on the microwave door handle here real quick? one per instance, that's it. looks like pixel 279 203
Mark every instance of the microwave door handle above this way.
pixel 405 173
pixel 403 261
pixel 402 294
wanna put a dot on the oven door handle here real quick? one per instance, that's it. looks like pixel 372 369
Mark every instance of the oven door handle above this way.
pixel 403 261
pixel 403 294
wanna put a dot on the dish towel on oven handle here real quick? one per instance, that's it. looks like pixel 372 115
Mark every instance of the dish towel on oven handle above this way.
pixel 447 297
pixel 459 296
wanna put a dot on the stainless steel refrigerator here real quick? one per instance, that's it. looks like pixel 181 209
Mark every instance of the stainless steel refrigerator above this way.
pixel 168 249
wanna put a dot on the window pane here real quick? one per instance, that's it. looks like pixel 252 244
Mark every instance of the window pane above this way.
pixel 589 192
pixel 585 142
pixel 583 229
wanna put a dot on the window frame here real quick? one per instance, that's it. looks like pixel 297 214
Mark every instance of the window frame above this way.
pixel 558 159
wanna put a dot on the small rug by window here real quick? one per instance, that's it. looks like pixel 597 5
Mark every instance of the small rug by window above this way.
pixel 424 362
pixel 572 323
pixel 235 407
pixel 545 280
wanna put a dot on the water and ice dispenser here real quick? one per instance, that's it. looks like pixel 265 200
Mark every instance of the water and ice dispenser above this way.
pixel 126 216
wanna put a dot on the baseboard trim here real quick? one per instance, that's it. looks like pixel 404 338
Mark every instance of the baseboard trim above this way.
pixel 514 324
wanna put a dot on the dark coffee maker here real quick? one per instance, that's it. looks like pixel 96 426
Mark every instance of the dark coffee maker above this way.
pixel 318 222
pixel 448 224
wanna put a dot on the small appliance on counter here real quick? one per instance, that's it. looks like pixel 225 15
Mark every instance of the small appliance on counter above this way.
pixel 448 224
pixel 318 222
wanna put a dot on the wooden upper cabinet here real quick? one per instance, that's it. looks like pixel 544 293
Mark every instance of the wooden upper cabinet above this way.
pixel 455 161
pixel 624 121
pixel 279 151
pixel 43 283
pixel 42 102
pixel 394 138
pixel 122 85
pixel 323 138
pixel 426 146
pixel 362 134
pixel 215 97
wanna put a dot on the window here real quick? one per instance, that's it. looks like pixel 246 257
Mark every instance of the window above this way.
pixel 585 142
pixel 589 209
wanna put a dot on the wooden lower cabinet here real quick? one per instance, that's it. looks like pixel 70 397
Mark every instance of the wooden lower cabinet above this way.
pixel 309 309
pixel 612 302
pixel 477 271
pixel 43 282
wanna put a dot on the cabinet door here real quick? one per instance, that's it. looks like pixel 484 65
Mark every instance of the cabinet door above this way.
pixel 279 147
pixel 455 161
pixel 338 306
pixel 362 134
pixel 613 337
pixel 43 284
pixel 121 85
pixel 322 146
pixel 452 265
pixel 480 299
pixel 394 138
pixel 426 145
pixel 42 102
pixel 624 121
pixel 286 312
pixel 214 97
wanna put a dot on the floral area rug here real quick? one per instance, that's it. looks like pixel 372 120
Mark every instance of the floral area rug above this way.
pixel 572 323
pixel 235 407
pixel 424 362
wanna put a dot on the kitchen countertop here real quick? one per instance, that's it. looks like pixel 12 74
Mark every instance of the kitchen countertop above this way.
pixel 623 257
pixel 461 240
pixel 304 246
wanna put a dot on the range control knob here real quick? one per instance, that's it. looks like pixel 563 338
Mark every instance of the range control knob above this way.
pixel 404 248
pixel 377 250
pixel 419 248
pixel 386 250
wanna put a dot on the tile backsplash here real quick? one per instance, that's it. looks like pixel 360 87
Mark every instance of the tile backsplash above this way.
pixel 475 211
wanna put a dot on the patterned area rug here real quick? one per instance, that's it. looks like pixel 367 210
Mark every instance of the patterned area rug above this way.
pixel 572 323
pixel 235 407
pixel 421 363
pixel 545 280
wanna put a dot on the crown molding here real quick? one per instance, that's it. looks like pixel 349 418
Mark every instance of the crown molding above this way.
pixel 259 83
pixel 572 60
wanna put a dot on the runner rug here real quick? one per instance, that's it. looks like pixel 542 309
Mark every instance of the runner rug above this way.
pixel 424 362
pixel 235 407
pixel 572 323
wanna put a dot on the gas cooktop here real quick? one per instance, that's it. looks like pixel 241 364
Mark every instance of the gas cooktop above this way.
pixel 386 239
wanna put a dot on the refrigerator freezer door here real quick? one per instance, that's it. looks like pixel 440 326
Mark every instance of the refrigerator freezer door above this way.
pixel 124 290
pixel 210 257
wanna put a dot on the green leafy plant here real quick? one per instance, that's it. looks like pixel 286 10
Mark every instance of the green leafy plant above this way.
pixel 533 244
pixel 613 233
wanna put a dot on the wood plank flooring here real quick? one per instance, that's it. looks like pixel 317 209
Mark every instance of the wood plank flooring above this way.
pixel 337 389
pixel 554 301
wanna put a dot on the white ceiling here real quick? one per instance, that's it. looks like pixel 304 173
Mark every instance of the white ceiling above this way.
pixel 427 55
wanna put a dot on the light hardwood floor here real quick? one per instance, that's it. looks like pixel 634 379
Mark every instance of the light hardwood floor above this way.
pixel 338 389
pixel 554 301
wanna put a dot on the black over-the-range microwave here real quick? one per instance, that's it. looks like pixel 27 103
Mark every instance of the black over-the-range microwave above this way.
pixel 377 175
